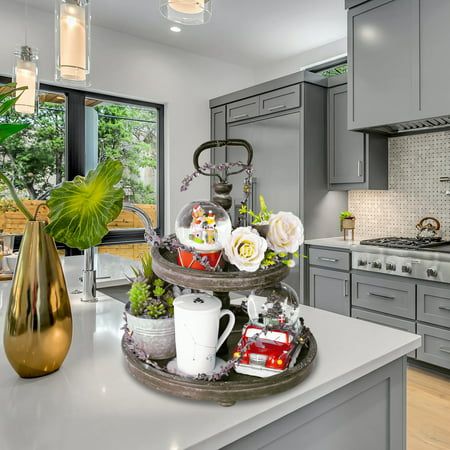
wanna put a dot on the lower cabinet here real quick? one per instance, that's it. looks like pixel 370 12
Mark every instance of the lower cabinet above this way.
pixel 330 290
pixel 382 319
pixel 435 347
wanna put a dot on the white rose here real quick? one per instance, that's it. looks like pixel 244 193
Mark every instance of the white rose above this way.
pixel 245 248
pixel 285 232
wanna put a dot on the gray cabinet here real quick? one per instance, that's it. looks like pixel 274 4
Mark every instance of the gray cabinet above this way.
pixel 398 66
pixel 280 100
pixel 218 131
pixel 385 294
pixel 433 304
pixel 332 259
pixel 330 290
pixel 355 160
pixel 434 37
pixel 435 347
pixel 382 38
pixel 243 109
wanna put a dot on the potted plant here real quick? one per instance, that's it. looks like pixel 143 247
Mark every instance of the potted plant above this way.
pixel 38 326
pixel 347 220
pixel 260 221
pixel 149 313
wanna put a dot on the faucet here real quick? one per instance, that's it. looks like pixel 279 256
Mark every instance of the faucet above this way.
pixel 89 293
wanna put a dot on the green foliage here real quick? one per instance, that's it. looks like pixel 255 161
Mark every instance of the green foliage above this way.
pixel 346 215
pixel 264 213
pixel 146 262
pixel 80 210
pixel 139 295
pixel 130 134
pixel 335 71
pixel 155 309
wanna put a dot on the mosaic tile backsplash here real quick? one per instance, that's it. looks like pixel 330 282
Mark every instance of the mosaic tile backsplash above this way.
pixel 415 165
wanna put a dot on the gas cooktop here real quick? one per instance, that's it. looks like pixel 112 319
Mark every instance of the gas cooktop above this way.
pixel 406 243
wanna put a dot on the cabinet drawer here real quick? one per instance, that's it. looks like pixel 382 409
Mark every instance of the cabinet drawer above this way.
pixel 381 319
pixel 435 347
pixel 433 305
pixel 279 100
pixel 388 296
pixel 243 109
pixel 329 258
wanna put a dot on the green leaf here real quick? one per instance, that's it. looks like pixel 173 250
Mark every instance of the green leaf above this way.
pixel 9 129
pixel 80 210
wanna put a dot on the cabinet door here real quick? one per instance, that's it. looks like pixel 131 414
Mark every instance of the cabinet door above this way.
pixel 330 290
pixel 243 109
pixel 345 148
pixel 218 131
pixel 383 58
pixel 280 100
pixel 433 304
pixel 434 61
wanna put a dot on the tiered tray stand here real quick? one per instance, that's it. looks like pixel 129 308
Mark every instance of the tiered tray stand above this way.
pixel 237 386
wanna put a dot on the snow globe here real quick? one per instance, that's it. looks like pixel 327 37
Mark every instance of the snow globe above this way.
pixel 274 306
pixel 204 227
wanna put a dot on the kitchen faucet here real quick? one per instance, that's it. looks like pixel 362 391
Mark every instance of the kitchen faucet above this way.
pixel 89 293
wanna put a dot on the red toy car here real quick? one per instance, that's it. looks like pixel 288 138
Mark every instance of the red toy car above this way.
pixel 269 355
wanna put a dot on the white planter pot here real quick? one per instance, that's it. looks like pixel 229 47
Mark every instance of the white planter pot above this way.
pixel 156 337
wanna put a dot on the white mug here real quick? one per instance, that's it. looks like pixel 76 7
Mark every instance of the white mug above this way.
pixel 197 319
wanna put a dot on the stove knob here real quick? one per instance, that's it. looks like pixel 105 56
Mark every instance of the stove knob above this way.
pixel 362 262
pixel 406 269
pixel 432 272
pixel 376 265
pixel 390 266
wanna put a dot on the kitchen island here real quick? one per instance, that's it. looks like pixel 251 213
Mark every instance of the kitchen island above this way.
pixel 353 399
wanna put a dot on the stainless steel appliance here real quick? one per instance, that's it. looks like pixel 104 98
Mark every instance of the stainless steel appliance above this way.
pixel 424 259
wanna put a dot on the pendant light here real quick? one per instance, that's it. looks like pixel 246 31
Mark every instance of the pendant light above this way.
pixel 73 28
pixel 25 74
pixel 187 12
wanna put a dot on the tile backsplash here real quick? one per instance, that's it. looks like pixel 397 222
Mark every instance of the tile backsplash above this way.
pixel 416 163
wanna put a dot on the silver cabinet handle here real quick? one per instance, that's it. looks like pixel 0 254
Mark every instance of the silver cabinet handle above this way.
pixel 359 168
pixel 445 308
pixel 274 108
pixel 388 297
pixel 445 349
pixel 323 258
pixel 345 288
pixel 240 116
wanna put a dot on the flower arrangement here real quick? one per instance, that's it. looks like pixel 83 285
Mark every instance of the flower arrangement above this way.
pixel 284 235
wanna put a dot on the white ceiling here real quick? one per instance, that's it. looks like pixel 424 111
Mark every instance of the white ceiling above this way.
pixel 245 32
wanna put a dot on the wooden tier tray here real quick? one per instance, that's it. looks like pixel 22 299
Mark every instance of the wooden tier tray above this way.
pixel 165 267
pixel 237 387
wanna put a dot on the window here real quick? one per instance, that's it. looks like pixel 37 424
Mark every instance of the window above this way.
pixel 72 131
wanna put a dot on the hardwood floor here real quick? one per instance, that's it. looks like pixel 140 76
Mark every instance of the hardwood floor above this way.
pixel 428 410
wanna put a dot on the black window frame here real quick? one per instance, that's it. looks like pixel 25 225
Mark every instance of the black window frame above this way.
pixel 75 152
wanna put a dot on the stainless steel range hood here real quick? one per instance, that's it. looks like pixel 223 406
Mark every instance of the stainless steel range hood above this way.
pixel 415 126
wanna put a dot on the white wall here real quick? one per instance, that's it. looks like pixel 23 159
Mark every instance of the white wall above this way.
pixel 132 67
pixel 301 60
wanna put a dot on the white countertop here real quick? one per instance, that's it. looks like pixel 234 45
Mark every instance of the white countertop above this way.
pixel 334 242
pixel 93 403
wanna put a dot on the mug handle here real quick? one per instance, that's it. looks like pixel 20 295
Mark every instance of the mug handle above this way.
pixel 227 331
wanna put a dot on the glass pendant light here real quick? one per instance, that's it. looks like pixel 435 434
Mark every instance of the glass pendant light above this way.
pixel 73 24
pixel 187 12
pixel 25 73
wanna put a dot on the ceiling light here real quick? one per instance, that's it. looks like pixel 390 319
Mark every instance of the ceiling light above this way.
pixel 25 74
pixel 73 23
pixel 175 29
pixel 186 12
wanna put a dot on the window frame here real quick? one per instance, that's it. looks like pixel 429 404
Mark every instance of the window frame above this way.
pixel 75 151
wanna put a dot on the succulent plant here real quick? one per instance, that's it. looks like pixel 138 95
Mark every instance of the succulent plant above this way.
pixel 139 295
pixel 155 309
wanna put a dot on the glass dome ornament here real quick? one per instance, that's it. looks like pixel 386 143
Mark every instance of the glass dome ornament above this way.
pixel 205 227
pixel 275 305
pixel 187 12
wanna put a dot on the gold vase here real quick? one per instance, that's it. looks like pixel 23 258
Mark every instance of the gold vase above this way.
pixel 38 328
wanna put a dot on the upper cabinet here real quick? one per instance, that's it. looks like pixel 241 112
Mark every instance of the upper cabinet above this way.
pixel 356 160
pixel 397 61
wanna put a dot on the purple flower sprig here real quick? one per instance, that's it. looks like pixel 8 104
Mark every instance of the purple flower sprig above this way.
pixel 222 168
